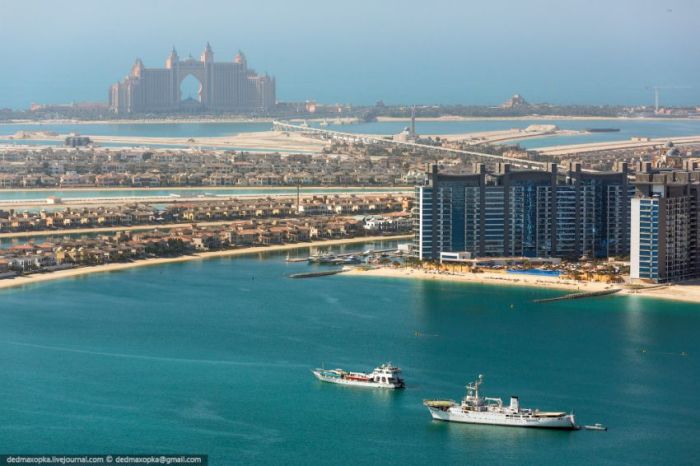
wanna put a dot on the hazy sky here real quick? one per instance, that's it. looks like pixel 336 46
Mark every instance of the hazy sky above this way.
pixel 360 51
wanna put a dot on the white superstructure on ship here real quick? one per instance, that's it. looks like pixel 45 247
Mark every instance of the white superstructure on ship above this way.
pixel 384 376
pixel 475 409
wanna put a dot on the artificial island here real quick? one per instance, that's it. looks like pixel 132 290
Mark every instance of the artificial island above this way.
pixel 489 206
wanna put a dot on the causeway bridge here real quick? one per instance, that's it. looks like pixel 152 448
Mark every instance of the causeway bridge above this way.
pixel 373 139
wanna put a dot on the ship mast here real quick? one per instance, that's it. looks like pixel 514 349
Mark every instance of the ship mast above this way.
pixel 473 389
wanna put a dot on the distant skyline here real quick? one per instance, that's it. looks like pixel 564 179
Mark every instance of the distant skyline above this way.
pixel 442 52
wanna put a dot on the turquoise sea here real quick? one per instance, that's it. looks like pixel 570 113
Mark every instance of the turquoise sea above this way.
pixel 214 356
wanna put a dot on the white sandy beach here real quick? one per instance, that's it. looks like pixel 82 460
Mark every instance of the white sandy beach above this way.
pixel 260 140
pixel 114 267
pixel 688 292
pixel 490 278
pixel 501 136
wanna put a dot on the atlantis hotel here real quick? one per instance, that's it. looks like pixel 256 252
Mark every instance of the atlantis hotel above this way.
pixel 223 87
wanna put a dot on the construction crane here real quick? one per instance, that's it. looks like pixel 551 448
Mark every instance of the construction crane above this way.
pixel 656 93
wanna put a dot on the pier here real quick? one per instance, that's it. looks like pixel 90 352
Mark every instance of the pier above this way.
pixel 585 294
pixel 316 274
pixel 336 259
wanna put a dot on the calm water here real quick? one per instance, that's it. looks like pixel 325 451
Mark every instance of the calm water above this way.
pixel 628 128
pixel 214 357
pixel 92 193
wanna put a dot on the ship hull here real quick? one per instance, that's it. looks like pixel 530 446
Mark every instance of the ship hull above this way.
pixel 564 422
pixel 356 383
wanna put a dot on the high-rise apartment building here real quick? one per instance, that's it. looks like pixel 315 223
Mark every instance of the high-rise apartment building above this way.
pixel 223 86
pixel 665 219
pixel 529 213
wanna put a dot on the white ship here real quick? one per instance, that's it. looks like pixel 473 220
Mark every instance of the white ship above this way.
pixel 475 409
pixel 384 376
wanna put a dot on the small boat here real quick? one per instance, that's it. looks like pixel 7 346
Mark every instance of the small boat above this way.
pixel 325 259
pixel 384 376
pixel 596 426
pixel 475 409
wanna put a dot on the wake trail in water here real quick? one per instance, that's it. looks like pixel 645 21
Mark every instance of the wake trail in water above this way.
pixel 152 358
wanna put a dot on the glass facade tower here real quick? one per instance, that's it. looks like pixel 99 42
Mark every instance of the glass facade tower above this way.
pixel 524 213
pixel 665 226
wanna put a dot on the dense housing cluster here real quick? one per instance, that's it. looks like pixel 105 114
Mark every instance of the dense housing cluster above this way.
pixel 127 246
pixel 104 167
pixel 653 217
pixel 571 213
pixel 208 211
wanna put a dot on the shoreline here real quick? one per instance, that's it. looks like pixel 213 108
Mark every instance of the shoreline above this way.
pixel 569 149
pixel 141 121
pixel 118 266
pixel 482 278
pixel 267 140
pixel 686 292
pixel 530 117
